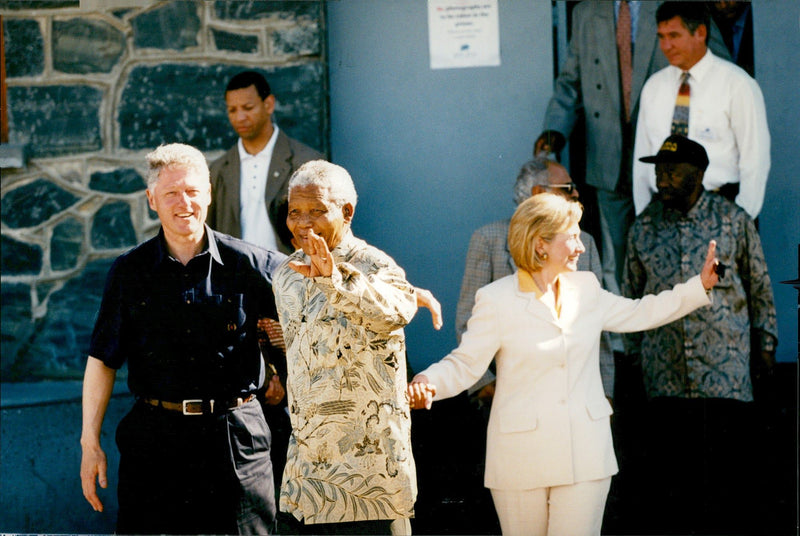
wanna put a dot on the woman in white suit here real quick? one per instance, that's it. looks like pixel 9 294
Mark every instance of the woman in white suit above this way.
pixel 549 454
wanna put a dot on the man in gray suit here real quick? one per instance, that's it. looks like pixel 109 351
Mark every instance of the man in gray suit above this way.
pixel 248 182
pixel 590 81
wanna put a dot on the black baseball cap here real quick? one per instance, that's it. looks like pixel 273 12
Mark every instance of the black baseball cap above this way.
pixel 679 149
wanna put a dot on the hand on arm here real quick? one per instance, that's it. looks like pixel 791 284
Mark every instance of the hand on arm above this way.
pixel 486 394
pixel 272 328
pixel 421 392
pixel 426 299
pixel 275 391
pixel 98 383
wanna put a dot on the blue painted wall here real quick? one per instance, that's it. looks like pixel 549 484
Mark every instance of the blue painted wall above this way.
pixel 434 152
pixel 776 35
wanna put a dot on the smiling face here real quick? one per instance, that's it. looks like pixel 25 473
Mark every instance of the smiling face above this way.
pixel 249 114
pixel 311 208
pixel 563 251
pixel 181 197
pixel 681 47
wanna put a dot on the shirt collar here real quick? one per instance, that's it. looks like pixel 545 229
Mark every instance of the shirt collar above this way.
pixel 345 244
pixel 699 70
pixel 263 153
pixel 697 212
pixel 210 246
pixel 527 284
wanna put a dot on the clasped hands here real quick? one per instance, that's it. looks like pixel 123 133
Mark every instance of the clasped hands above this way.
pixel 420 392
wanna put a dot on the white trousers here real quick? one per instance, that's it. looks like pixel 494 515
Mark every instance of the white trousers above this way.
pixel 574 510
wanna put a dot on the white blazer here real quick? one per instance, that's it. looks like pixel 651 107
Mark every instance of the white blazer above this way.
pixel 549 424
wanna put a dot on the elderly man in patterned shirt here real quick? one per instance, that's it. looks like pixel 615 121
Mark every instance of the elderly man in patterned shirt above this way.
pixel 697 370
pixel 342 305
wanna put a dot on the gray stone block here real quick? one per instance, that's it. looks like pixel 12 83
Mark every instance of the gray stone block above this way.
pixel 31 204
pixel 55 120
pixel 24 47
pixel 173 26
pixel 297 41
pixel 60 343
pixel 256 9
pixel 66 244
pixel 235 42
pixel 119 181
pixel 175 103
pixel 16 323
pixel 20 258
pixel 38 4
pixel 112 227
pixel 86 46
pixel 185 103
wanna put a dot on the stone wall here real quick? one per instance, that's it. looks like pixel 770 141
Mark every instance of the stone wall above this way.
pixel 93 86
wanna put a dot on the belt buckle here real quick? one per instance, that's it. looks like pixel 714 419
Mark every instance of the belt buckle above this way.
pixel 185 406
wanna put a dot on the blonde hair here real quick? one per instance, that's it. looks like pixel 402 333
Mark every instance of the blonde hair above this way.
pixel 541 216
pixel 175 155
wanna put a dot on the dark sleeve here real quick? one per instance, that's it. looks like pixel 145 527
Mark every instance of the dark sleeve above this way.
pixel 752 267
pixel 632 285
pixel 567 99
pixel 267 265
pixel 106 344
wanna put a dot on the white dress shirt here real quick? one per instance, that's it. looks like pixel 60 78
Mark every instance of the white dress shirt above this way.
pixel 256 225
pixel 726 116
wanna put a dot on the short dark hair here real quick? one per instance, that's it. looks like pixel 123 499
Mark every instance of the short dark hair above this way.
pixel 693 14
pixel 246 79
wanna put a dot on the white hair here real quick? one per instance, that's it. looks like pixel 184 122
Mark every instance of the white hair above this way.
pixel 323 174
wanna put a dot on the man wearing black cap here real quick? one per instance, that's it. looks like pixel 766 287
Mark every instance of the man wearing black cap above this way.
pixel 697 372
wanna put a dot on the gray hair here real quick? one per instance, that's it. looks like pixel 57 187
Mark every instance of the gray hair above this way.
pixel 533 173
pixel 326 175
pixel 175 155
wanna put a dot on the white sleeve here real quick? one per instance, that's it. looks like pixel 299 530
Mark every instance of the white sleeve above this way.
pixel 749 125
pixel 643 175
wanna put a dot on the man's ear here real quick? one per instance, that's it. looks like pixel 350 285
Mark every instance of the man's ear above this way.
pixel 269 102
pixel 537 189
pixel 150 199
pixel 701 31
pixel 347 212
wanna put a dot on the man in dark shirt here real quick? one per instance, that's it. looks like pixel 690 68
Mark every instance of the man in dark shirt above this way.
pixel 181 309
pixel 700 434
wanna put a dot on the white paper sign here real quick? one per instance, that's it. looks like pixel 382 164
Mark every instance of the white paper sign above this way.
pixel 463 33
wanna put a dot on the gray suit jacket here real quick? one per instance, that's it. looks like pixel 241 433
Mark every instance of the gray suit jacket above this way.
pixel 589 81
pixel 488 259
pixel 224 214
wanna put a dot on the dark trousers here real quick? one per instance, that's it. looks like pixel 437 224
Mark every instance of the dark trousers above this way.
pixel 700 460
pixel 195 474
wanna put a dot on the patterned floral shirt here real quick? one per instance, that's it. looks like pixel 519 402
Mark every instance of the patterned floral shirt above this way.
pixel 707 353
pixel 349 454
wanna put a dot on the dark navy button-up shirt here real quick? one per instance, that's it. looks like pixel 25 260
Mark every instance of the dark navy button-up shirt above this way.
pixel 187 331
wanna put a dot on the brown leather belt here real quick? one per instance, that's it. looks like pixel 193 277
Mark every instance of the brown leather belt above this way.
pixel 198 406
